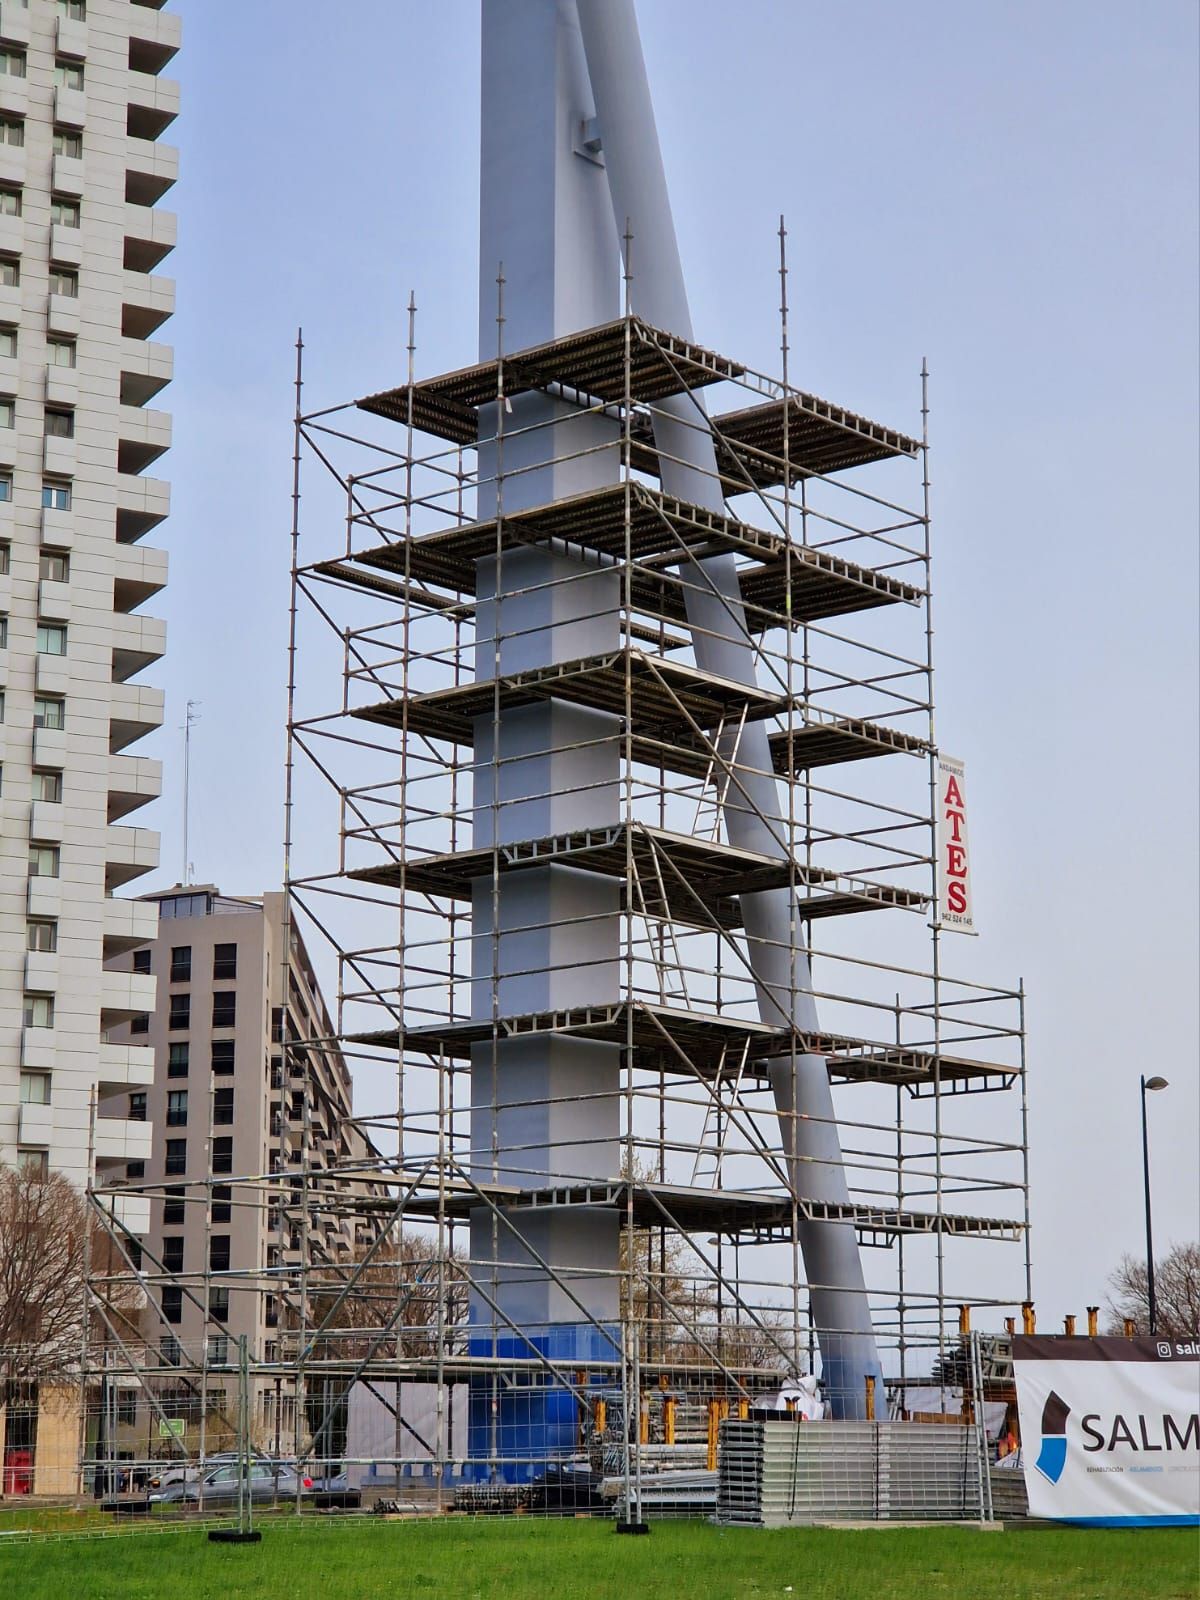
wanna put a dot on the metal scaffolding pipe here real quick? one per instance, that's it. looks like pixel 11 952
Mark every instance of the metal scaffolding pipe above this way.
pixel 754 821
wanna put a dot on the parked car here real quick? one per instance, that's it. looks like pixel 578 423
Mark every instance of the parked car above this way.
pixel 180 1471
pixel 269 1480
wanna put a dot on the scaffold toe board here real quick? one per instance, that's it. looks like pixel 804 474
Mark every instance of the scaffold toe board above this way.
pixel 667 701
pixel 653 529
pixel 677 876
pixel 861 1061
pixel 590 364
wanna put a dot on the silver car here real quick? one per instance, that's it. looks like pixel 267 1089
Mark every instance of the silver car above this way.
pixel 269 1480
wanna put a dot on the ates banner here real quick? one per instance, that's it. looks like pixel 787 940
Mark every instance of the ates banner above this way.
pixel 1110 1428
pixel 954 861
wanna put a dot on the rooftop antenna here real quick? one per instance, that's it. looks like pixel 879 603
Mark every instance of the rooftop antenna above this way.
pixel 191 717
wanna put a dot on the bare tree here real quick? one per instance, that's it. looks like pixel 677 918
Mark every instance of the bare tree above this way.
pixel 1176 1293
pixel 44 1225
pixel 404 1287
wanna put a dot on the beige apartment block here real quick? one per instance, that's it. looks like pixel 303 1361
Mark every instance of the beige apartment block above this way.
pixel 83 106
pixel 228 1106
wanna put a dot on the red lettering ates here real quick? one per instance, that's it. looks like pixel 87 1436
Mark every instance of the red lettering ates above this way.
pixel 956 861
pixel 954 793
pixel 956 897
pixel 956 820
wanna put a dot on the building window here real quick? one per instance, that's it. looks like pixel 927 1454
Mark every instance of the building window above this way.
pixel 134 1169
pixel 222 1155
pixel 8 342
pixel 51 639
pixel 59 424
pixel 5 559
pixel 56 495
pixel 73 10
pixel 35 1088
pixel 177 1060
pixel 181 964
pixel 173 1204
pixel 222 1202
pixel 64 281
pixel 218 1252
pixel 218 1349
pixel 224 961
pixel 10 202
pixel 140 1023
pixel 39 1010
pixel 3 631
pixel 49 711
pixel 177 1108
pixel 43 860
pixel 66 214
pixel 1 705
pixel 169 1352
pixel 218 1304
pixel 180 1013
pixel 222 1108
pixel 276 1024
pixel 222 1056
pixel 12 131
pixel 12 63
pixel 35 1162
pixel 54 565
pixel 176 1158
pixel 137 1106
pixel 5 477
pixel 172 1310
pixel 68 74
pixel 133 1250
pixel 224 1011
pixel 68 143
pixel 172 1254
pixel 41 934
pixel 141 961
pixel 271 1311
pixel 10 272
pixel 47 785
pixel 8 411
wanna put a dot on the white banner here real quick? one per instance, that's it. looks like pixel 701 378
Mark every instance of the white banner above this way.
pixel 954 861
pixel 1110 1428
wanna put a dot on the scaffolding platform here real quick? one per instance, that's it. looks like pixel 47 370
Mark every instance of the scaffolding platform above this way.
pixel 675 876
pixel 821 739
pixel 654 528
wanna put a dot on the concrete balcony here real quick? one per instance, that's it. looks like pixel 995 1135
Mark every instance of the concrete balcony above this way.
pixel 44 897
pixel 62 314
pixel 150 170
pixel 133 781
pixel 47 820
pixel 142 503
pixel 58 528
pixel 54 600
pixel 35 1125
pixel 49 747
pixel 123 995
pixel 66 245
pixel 12 235
pixel 146 303
pixel 153 38
pixel 128 923
pixel 153 105
pixel 145 368
pixel 14 96
pixel 139 571
pixel 124 1066
pixel 58 456
pixel 41 969
pixel 142 436
pixel 14 23
pixel 134 711
pixel 70 38
pixel 67 175
pixel 117 1139
pixel 62 386
pixel 129 853
pixel 39 1049
pixel 52 675
pixel 70 107
pixel 137 641
pixel 150 234
pixel 130 1210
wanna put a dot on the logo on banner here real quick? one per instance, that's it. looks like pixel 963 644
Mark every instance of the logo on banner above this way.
pixel 1052 1457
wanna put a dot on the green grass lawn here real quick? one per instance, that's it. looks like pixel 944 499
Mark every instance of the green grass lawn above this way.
pixel 515 1558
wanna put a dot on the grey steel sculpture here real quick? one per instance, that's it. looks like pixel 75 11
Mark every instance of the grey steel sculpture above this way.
pixel 570 156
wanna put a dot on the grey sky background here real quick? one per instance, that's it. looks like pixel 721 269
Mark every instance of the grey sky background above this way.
pixel 1009 190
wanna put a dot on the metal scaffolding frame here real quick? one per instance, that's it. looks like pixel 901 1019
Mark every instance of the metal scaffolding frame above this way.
pixel 382 781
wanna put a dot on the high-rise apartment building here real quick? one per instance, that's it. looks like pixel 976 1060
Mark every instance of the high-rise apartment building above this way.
pixel 227 1106
pixel 83 106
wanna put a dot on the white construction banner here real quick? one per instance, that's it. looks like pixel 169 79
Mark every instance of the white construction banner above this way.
pixel 954 861
pixel 1110 1429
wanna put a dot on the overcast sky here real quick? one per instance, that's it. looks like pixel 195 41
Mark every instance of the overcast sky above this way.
pixel 1008 190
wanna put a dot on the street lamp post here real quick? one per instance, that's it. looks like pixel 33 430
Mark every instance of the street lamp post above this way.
pixel 1149 1084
